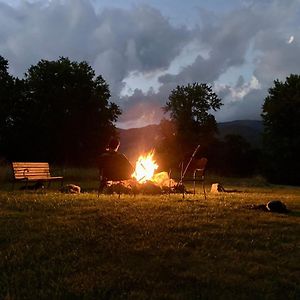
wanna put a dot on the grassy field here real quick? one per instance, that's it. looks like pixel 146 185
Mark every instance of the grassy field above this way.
pixel 59 246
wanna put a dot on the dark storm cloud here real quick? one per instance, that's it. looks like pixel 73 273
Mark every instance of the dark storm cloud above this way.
pixel 227 39
pixel 115 41
pixel 266 28
pixel 46 32
pixel 248 108
pixel 140 39
pixel 278 59
pixel 140 109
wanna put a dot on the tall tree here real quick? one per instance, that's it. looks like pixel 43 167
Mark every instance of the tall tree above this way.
pixel 190 109
pixel 6 80
pixel 11 91
pixel 65 113
pixel 6 85
pixel 281 118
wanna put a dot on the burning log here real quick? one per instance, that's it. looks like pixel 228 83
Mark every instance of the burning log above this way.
pixel 151 187
pixel 144 181
pixel 148 188
pixel 145 167
pixel 132 186
pixel 145 188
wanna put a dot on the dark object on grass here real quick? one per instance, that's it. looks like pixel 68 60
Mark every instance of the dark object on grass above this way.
pixel 272 206
pixel 276 206
pixel 71 189
pixel 117 187
pixel 146 188
pixel 38 185
pixel 262 207
pixel 218 188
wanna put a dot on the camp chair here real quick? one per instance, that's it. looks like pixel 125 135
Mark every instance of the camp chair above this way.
pixel 197 169
pixel 199 174
pixel 113 167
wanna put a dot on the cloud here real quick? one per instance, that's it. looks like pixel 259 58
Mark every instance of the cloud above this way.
pixel 115 41
pixel 254 39
pixel 38 31
pixel 253 35
pixel 141 108
pixel 242 89
pixel 248 108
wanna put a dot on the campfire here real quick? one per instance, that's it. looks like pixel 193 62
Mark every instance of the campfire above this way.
pixel 145 168
pixel 145 179
pixel 145 172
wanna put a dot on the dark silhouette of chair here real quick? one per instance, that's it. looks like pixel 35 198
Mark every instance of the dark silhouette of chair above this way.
pixel 199 173
pixel 113 167
pixel 197 170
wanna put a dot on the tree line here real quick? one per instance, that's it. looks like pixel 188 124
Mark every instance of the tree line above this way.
pixel 192 123
pixel 61 112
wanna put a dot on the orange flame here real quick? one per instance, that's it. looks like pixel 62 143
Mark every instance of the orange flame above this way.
pixel 145 167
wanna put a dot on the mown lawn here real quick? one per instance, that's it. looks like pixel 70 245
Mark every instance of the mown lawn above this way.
pixel 58 246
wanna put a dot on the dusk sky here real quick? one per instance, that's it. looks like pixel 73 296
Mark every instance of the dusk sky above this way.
pixel 144 49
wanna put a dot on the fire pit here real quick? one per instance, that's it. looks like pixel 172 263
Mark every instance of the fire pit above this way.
pixel 144 179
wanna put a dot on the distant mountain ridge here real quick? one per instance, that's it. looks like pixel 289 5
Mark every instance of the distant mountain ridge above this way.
pixel 135 141
pixel 251 130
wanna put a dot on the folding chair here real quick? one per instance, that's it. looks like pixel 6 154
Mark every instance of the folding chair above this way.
pixel 197 169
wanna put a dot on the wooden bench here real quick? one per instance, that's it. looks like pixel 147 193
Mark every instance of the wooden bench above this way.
pixel 33 172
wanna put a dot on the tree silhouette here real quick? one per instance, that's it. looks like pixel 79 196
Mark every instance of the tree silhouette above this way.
pixel 190 109
pixel 11 95
pixel 63 114
pixel 281 118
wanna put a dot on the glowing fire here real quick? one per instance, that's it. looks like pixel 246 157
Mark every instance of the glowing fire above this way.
pixel 145 168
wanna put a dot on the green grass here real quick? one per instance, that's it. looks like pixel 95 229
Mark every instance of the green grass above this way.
pixel 58 246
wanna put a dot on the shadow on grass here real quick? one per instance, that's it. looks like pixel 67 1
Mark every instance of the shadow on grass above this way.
pixel 197 201
pixel 294 213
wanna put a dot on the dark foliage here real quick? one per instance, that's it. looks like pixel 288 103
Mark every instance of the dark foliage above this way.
pixel 233 156
pixel 60 113
pixel 192 124
pixel 11 96
pixel 281 144
pixel 191 121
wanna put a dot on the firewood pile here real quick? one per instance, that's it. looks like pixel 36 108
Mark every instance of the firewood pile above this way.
pixel 145 180
pixel 146 188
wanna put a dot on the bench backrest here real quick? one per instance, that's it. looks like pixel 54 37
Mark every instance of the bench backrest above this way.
pixel 31 170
